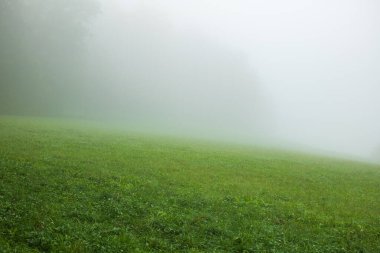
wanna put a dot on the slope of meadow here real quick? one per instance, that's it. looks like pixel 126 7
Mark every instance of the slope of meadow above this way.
pixel 68 187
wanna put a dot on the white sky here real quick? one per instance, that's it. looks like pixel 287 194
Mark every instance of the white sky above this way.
pixel 317 61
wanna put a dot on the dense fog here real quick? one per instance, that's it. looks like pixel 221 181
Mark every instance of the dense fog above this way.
pixel 300 74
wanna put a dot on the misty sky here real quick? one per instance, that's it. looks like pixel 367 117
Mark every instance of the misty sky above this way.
pixel 295 73
pixel 316 62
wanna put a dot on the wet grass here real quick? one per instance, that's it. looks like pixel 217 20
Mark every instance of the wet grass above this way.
pixel 68 187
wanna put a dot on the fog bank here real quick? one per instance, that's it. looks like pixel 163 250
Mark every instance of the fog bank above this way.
pixel 297 73
pixel 316 62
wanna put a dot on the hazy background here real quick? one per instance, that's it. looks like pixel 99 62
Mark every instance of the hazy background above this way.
pixel 295 73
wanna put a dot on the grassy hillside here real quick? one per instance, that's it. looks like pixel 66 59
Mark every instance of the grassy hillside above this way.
pixel 67 187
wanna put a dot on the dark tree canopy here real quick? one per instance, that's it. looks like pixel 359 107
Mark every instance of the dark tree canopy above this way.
pixel 41 49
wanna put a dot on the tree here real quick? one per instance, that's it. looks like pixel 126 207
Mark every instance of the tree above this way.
pixel 41 49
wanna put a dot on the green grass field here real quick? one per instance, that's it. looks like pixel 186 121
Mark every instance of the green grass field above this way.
pixel 72 187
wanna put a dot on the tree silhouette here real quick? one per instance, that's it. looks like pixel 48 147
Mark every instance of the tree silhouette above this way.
pixel 41 49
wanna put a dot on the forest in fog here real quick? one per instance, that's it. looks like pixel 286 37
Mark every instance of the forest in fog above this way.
pixel 229 71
